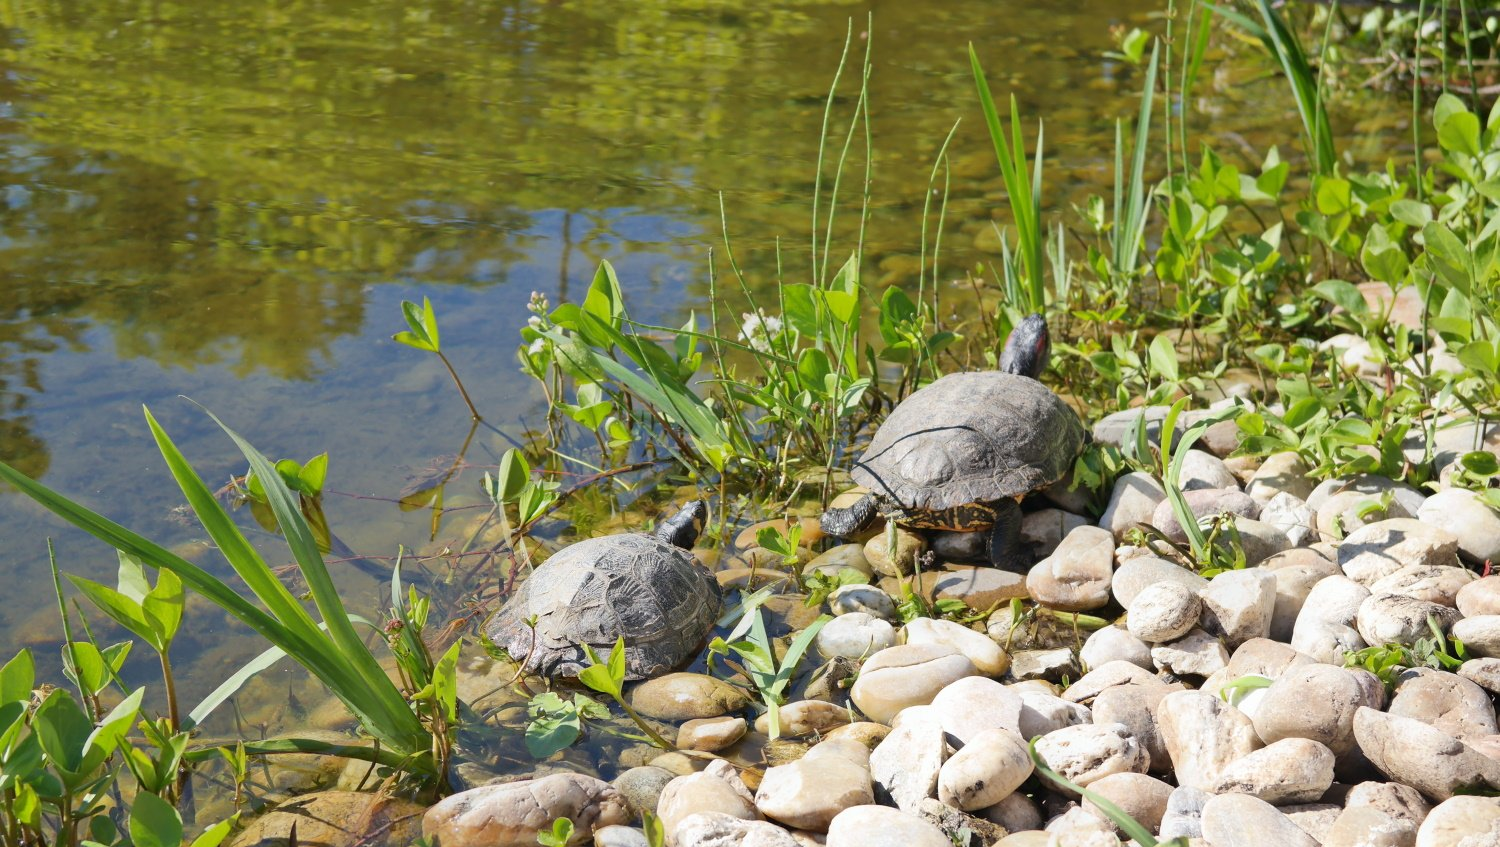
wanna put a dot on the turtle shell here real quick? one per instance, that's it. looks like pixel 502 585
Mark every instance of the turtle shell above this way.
pixel 971 438
pixel 654 594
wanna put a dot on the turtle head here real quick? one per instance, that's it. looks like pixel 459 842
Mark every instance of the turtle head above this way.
pixel 682 529
pixel 1028 349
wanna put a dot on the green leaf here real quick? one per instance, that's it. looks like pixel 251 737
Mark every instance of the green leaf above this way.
pixel 62 729
pixel 445 682
pixel 313 474
pixel 513 475
pixel 111 732
pixel 154 823
pixel 1333 195
pixel 558 836
pixel 162 609
pixel 124 611
pixel 84 665
pixel 423 333
pixel 131 579
pixel 606 678
pixel 1127 824
pixel 1412 213
pixel 604 299
pixel 555 725
pixel 18 678
pixel 1342 294
pixel 1457 127
pixel 215 835
pixel 1163 357
pixel 1481 462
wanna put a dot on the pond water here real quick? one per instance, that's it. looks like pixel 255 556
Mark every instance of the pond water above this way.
pixel 228 201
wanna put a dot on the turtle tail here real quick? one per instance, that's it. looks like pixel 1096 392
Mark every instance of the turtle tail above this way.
pixel 844 522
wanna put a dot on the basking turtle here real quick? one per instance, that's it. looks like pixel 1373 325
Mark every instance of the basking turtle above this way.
pixel 647 588
pixel 960 453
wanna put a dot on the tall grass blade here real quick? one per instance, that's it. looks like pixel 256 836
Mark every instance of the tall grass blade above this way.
pixel 1025 196
pixel 1131 231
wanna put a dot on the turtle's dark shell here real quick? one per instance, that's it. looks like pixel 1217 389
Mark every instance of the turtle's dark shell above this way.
pixel 654 594
pixel 971 438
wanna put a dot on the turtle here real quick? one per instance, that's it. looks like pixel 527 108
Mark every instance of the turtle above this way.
pixel 961 452
pixel 646 587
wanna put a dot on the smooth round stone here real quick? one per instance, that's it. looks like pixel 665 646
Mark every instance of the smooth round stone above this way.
pixel 1483 672
pixel 1044 529
pixel 761 558
pixel 1480 634
pixel 512 813
pixel 866 599
pixel 338 818
pixel 1239 605
pixel 1461 822
pixel 1239 820
pixel 986 770
pixel 1136 574
pixel 1258 540
pixel 1393 619
pixel 812 533
pixel 707 828
pixel 907 675
pixel 835 559
pixel 1195 654
pixel 810 792
pixel 1480 597
pixel 1076 577
pixel 1426 758
pixel 1434 583
pixel 854 636
pixel 1142 797
pixel 641 787
pixel 805 717
pixel 902 562
pixel 1204 471
pixel 1203 735
pixel 1449 702
pixel 1469 519
pixel 970 707
pixel 718 792
pixel 1401 802
pixel 979 588
pixel 1017 813
pixel 1280 473
pixel 1332 600
pixel 905 764
pixel 1132 501
pixel 1163 612
pixel 684 696
pixel 867 733
pixel 1292 770
pixel 1203 503
pixel 1087 753
pixel 711 734
pixel 881 826
pixel 620 836
pixel 1314 701
pixel 1382 548
pixel 980 649
pixel 1115 644
pixel 1042 713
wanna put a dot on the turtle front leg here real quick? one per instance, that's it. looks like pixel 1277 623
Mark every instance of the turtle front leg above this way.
pixel 1006 549
pixel 845 522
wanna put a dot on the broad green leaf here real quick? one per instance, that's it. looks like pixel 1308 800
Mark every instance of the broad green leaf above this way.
pixel 1163 358
pixel 62 729
pixel 117 606
pixel 162 608
pixel 604 299
pixel 1457 127
pixel 1481 462
pixel 111 732
pixel 130 578
pixel 215 835
pixel 83 664
pixel 1342 294
pixel 513 475
pixel 1412 213
pixel 154 823
pixel 445 682
pixel 1333 195
pixel 18 678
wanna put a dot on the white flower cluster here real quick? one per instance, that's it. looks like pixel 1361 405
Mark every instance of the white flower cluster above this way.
pixel 758 329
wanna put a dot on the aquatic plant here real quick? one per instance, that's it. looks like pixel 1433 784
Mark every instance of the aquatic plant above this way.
pixel 422 334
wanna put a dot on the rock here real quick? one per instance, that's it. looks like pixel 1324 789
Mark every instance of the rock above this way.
pixel 980 649
pixel 1480 634
pixel 1264 657
pixel 511 814
pixel 1258 540
pixel 1078 828
pixel 830 681
pixel 835 559
pixel 988 768
pixel 1392 798
pixel 1292 770
pixel 862 599
pixel 1380 549
pixel 810 792
pixel 867 733
pixel 1016 813
pixel 1195 654
pixel 1391 618
pixel 1239 820
pixel 1333 600
pixel 1163 612
pixel 714 829
pixel 1138 795
pixel 1462 822
pixel 1044 529
pixel 1463 514
pixel 1136 574
pixel 1044 713
pixel 1203 503
pixel 1203 735
pixel 1438 584
pixel 1446 701
pixel 1293 517
pixel 1183 817
pixel 1238 605
pixel 1314 701
pixel 1090 752
pixel 1042 664
pixel 908 546
pixel 1428 759
pixel 616 835
pixel 1075 578
pixel 1315 819
pixel 879 826
pixel 337 819
pixel 719 793
pixel 970 707
pixel 906 764
pixel 1105 676
pixel 1136 706
pixel 855 635
pixel 642 786
pixel 1480 597
pixel 1203 471
pixel 1482 672
pixel 1293 585
pixel 1280 473
pixel 907 675
pixel 711 734
pixel 1133 500
pixel 1343 513
pixel 1115 644
pixel 964 830
pixel 684 696
pixel 805 717
pixel 1363 826
pixel 812 533
pixel 979 588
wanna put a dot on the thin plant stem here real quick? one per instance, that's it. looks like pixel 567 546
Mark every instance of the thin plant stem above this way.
pixel 1416 101
pixel 822 142
pixel 458 382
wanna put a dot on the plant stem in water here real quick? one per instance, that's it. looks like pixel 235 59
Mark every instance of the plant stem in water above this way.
pixel 458 382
